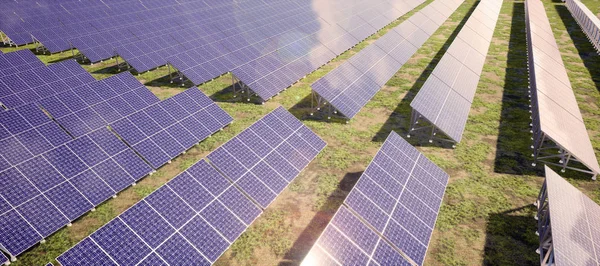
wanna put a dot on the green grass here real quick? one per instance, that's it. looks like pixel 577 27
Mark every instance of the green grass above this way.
pixel 486 216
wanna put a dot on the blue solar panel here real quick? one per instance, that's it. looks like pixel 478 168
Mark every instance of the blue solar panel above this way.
pixel 3 258
pixel 205 238
pixel 73 177
pixel 42 215
pixel 198 211
pixel 41 174
pixel 164 130
pixel 192 192
pixel 127 249
pixel 178 251
pixel 383 213
pixel 153 260
pixel 147 224
pixel 86 251
pixel 223 220
pixel 265 160
pixel 69 201
pixel 94 188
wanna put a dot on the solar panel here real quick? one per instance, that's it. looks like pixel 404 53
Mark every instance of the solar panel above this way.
pixel 557 120
pixel 389 215
pixel 31 85
pixel 165 129
pixel 26 132
pixel 587 20
pixel 14 62
pixel 49 190
pixel 352 85
pixel 266 157
pixel 3 258
pixel 176 224
pixel 84 109
pixel 566 219
pixel 445 98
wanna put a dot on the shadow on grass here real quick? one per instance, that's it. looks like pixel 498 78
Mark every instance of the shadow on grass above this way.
pixel 304 110
pixel 399 120
pixel 585 49
pixel 313 230
pixel 510 238
pixel 513 153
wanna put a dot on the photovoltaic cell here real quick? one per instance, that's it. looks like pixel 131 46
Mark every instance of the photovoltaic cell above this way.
pixel 351 86
pixel 163 130
pixel 446 97
pixel 264 158
pixel 73 178
pixel 389 227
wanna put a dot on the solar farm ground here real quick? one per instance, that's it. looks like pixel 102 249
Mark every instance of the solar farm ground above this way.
pixel 487 214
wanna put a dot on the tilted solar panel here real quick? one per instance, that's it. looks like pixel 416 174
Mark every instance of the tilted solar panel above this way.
pixel 191 220
pixel 3 258
pixel 559 132
pixel 567 221
pixel 26 132
pixel 351 86
pixel 44 193
pixel 18 61
pixel 266 157
pixel 95 105
pixel 445 98
pixel 389 215
pixel 587 20
pixel 197 215
pixel 165 129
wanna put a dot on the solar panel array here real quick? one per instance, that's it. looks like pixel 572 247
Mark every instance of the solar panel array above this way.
pixel 587 20
pixel 83 109
pixel 18 61
pixel 351 85
pixel 555 112
pixel 266 157
pixel 446 96
pixel 572 223
pixel 271 53
pixel 29 85
pixel 45 192
pixel 197 215
pixel 389 215
pixel 3 259
pixel 165 129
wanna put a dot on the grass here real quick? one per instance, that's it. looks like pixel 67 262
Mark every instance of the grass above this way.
pixel 486 217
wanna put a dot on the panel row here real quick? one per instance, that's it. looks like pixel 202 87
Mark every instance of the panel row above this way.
pixel 554 108
pixel 446 96
pixel 394 206
pixel 197 215
pixel 351 86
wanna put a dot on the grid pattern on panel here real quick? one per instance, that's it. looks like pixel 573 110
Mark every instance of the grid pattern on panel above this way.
pixel 389 215
pixel 44 193
pixel 555 111
pixel 83 109
pixel 266 157
pixel 446 96
pixel 30 85
pixel 349 87
pixel 196 216
pixel 274 52
pixel 3 258
pixel 168 128
pixel 191 220
pixel 573 216
pixel 14 62
pixel 587 20
pixel 26 132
